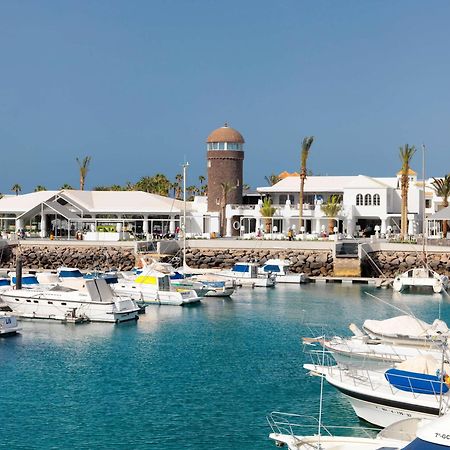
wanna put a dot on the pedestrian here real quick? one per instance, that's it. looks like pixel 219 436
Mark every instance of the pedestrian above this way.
pixel 290 234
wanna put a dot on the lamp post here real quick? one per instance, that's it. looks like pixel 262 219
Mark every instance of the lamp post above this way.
pixel 185 166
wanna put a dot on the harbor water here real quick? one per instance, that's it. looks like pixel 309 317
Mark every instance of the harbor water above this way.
pixel 200 377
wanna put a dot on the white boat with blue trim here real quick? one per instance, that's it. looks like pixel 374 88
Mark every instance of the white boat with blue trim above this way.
pixel 280 268
pixel 246 274
pixel 409 434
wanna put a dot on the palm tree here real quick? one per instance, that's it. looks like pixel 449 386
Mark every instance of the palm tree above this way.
pixel 406 153
pixel 84 167
pixel 272 179
pixel 442 188
pixel 39 188
pixel 203 187
pixel 66 186
pixel 306 146
pixel 226 187
pixel 331 210
pixel 178 186
pixel 267 211
pixel 17 188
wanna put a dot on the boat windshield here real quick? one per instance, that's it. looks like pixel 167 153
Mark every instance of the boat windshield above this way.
pixel 60 288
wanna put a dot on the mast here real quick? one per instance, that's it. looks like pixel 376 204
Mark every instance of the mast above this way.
pixel 424 234
pixel 185 166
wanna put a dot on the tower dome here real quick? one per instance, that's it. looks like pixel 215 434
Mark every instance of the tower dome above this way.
pixel 225 138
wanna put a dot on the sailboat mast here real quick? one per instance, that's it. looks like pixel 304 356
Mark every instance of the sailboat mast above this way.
pixel 424 234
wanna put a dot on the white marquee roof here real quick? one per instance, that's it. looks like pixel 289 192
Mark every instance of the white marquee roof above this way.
pixel 97 202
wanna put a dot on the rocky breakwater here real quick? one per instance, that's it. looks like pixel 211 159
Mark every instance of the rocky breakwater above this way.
pixel 85 258
pixel 393 263
pixel 313 263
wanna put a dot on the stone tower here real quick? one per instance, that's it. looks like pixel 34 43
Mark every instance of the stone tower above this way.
pixel 225 165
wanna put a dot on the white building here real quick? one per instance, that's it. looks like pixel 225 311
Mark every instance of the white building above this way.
pixel 98 214
pixel 367 204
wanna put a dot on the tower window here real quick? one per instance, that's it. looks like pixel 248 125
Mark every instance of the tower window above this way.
pixel 237 182
pixel 209 163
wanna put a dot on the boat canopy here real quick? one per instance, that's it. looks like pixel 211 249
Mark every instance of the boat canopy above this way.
pixel 405 326
pixel 241 268
pixel 69 273
pixel 418 383
pixel 27 280
pixel 4 282
pixel 271 268
pixel 421 364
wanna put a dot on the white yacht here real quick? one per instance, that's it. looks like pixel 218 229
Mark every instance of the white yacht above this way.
pixel 407 434
pixel 152 287
pixel 246 274
pixel 412 389
pixel 280 268
pixel 420 277
pixel 91 300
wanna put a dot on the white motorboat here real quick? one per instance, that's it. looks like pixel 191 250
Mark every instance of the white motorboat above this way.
pixel 246 274
pixel 407 434
pixel 365 352
pixel 92 300
pixel 406 330
pixel 412 389
pixel 152 287
pixel 215 285
pixel 280 268
pixel 8 323
pixel 420 277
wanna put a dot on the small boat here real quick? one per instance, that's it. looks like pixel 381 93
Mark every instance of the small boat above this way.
pixel 8 323
pixel 152 287
pixel 246 274
pixel 420 277
pixel 407 434
pixel 215 285
pixel 280 268
pixel 413 388
pixel 91 300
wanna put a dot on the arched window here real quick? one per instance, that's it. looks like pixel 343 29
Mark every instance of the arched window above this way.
pixel 367 200
pixel 359 199
pixel 376 199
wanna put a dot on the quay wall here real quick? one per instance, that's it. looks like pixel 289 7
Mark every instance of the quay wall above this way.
pixel 311 262
pixel 50 257
pixel 395 262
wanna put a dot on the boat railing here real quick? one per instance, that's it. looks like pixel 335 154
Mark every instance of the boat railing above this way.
pixel 298 425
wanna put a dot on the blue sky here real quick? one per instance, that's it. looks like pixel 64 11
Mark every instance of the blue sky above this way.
pixel 138 85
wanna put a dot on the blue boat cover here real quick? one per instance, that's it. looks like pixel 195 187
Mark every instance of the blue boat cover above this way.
pixel 70 274
pixel 418 383
pixel 272 268
pixel 215 284
pixel 4 282
pixel 242 268
pixel 419 444
pixel 177 276
pixel 27 280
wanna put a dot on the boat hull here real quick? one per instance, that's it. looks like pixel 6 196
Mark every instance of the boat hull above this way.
pixel 41 306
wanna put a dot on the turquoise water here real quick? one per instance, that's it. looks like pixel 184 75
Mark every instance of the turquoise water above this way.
pixel 202 377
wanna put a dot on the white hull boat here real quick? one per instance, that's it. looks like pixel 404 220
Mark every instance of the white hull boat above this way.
pixel 383 398
pixel 93 302
pixel 215 286
pixel 280 268
pixel 154 288
pixel 8 324
pixel 421 277
pixel 407 434
pixel 246 274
